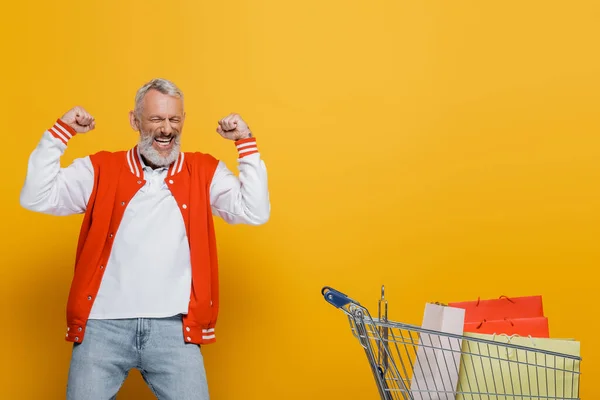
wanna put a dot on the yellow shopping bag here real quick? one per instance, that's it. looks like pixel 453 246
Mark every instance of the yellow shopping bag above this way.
pixel 514 366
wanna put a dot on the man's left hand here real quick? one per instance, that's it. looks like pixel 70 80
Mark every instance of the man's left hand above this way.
pixel 233 127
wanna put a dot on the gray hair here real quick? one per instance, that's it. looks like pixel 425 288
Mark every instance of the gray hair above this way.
pixel 164 86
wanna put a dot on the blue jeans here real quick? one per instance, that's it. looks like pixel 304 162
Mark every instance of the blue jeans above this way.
pixel 172 368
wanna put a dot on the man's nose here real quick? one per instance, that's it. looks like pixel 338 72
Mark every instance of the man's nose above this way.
pixel 167 128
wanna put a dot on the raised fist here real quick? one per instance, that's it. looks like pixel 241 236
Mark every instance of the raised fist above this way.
pixel 233 127
pixel 79 119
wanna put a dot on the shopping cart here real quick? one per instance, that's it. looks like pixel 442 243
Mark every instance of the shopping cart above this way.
pixel 409 362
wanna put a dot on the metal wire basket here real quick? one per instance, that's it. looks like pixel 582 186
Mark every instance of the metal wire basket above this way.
pixel 409 362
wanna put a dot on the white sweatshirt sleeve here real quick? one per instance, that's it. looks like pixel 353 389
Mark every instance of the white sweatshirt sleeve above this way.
pixel 50 189
pixel 243 200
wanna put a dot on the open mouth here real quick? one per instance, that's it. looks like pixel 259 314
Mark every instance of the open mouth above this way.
pixel 163 142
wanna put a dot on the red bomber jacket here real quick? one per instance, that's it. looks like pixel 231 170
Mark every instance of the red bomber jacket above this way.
pixel 117 176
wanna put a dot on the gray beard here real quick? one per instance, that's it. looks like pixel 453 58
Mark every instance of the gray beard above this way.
pixel 153 156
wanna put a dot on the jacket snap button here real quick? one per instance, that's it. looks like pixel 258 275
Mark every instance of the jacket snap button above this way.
pixel 89 298
pixel 189 339
pixel 184 206
pixel 139 182
pixel 171 181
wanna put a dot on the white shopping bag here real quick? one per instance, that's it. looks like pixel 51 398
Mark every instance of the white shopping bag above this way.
pixel 436 368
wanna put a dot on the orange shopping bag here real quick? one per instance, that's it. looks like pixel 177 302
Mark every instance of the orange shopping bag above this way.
pixel 503 307
pixel 534 327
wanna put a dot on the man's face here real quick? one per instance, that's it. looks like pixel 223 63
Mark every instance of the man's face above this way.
pixel 160 123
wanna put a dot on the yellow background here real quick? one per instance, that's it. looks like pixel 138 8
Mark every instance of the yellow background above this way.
pixel 446 149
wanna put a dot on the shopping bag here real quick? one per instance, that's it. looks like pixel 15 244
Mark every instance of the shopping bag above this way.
pixel 435 372
pixel 503 307
pixel 536 327
pixel 516 372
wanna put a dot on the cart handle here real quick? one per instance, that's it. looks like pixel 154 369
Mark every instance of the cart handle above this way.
pixel 336 298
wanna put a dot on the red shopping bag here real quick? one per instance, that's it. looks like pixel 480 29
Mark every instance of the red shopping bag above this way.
pixel 503 307
pixel 535 327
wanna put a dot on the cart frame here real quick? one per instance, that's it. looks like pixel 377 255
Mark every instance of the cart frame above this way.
pixel 402 356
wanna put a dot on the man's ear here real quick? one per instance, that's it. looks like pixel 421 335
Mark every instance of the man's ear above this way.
pixel 133 121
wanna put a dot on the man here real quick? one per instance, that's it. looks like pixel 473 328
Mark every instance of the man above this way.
pixel 145 288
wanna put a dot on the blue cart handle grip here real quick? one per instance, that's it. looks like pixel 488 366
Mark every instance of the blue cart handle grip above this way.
pixel 336 298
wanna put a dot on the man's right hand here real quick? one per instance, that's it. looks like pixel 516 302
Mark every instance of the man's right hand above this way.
pixel 79 119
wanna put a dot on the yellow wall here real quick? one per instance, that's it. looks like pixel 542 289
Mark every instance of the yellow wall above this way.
pixel 448 149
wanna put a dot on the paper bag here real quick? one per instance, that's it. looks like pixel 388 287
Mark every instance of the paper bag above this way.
pixel 504 307
pixel 438 357
pixel 536 327
pixel 515 373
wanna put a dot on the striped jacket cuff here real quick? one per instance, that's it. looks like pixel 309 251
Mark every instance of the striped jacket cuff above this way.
pixel 195 334
pixel 208 334
pixel 246 147
pixel 62 131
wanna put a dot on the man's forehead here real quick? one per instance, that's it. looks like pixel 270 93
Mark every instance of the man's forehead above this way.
pixel 156 97
pixel 158 103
